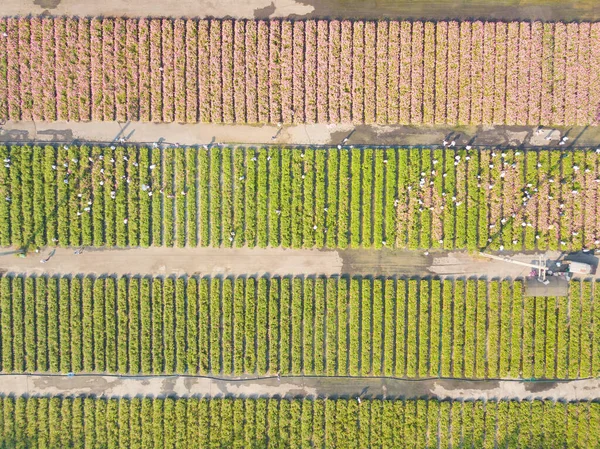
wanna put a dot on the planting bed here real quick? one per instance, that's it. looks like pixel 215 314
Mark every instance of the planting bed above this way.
pixel 325 326
pixel 225 71
pixel 144 422
pixel 374 198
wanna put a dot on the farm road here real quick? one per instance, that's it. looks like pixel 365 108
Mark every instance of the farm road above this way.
pixel 183 386
pixel 316 134
pixel 161 261
pixel 429 9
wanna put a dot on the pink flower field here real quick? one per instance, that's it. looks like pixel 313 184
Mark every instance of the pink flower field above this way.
pixel 324 71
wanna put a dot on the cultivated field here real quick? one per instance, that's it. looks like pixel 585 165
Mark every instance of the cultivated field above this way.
pixel 136 423
pixel 310 71
pixel 373 198
pixel 281 355
pixel 323 326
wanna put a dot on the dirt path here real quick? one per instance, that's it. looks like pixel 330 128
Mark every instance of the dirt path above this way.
pixel 431 9
pixel 181 386
pixel 317 134
pixel 161 261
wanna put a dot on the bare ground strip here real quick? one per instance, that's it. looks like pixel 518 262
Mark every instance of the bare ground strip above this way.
pixel 301 387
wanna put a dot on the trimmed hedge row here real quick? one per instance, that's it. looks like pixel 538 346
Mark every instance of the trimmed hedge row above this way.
pixel 334 198
pixel 324 326
pixel 332 423
pixel 256 71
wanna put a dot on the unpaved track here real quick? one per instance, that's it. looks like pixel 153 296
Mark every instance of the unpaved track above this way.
pixel 304 134
pixel 182 386
pixel 162 261
pixel 422 9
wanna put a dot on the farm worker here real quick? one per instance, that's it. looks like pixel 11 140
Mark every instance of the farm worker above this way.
pixel 453 143
pixel 152 167
pixel 445 143
pixel 468 147
pixel 125 221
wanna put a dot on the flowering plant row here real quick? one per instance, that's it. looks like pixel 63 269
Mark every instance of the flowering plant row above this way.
pixel 335 198
pixel 462 329
pixel 274 422
pixel 165 70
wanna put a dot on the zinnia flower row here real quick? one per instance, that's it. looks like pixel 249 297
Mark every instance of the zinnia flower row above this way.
pixel 326 71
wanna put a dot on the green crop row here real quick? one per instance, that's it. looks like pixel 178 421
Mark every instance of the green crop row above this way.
pixel 332 423
pixel 323 326
pixel 335 198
